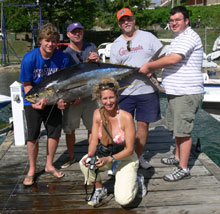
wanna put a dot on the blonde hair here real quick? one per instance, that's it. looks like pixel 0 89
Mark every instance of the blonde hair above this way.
pixel 96 95
pixel 48 31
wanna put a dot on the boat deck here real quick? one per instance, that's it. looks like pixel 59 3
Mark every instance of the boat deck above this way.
pixel 198 195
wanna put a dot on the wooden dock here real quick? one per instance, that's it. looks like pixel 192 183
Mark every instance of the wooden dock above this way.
pixel 198 195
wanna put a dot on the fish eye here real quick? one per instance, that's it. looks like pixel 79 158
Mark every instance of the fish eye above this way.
pixel 36 95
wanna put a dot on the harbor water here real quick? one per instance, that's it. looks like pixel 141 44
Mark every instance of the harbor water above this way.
pixel 206 128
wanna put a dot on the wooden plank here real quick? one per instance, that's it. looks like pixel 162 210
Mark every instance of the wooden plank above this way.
pixel 72 175
pixel 70 201
pixel 200 194
pixel 183 209
pixel 77 186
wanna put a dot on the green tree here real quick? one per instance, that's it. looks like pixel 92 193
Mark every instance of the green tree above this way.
pixel 109 8
pixel 59 12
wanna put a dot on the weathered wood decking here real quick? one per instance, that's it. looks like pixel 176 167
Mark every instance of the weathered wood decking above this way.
pixel 198 195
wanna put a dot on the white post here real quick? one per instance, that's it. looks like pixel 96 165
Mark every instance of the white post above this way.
pixel 18 113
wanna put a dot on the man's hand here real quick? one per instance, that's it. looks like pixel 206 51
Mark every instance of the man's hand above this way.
pixel 76 101
pixel 41 104
pixel 145 69
pixel 61 104
pixel 93 57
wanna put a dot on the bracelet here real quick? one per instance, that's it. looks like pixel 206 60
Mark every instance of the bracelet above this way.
pixel 113 159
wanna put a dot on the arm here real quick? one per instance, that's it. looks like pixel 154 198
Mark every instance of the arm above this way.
pixel 93 141
pixel 149 68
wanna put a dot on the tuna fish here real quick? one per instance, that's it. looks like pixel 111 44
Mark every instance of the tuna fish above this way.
pixel 76 81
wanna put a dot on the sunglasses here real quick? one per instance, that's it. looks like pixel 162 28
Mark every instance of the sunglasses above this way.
pixel 107 85
pixel 128 45
pixel 79 57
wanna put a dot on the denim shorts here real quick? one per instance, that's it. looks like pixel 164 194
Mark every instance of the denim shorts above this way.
pixel 51 116
pixel 145 107
pixel 180 113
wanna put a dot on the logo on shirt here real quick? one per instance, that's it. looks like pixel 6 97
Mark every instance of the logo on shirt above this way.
pixel 124 51
pixel 44 72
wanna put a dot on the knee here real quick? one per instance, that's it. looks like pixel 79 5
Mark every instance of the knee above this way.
pixel 125 198
pixel 82 167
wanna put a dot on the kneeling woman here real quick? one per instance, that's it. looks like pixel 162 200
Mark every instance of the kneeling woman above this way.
pixel 113 137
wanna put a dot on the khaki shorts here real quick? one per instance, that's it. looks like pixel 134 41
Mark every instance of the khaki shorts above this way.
pixel 180 114
pixel 73 114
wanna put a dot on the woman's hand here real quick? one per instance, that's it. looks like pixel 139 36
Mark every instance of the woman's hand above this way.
pixel 84 162
pixel 102 161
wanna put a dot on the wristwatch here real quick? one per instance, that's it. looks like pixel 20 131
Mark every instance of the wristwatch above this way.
pixel 113 159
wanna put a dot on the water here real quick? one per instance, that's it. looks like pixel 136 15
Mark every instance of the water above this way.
pixel 206 128
pixel 6 79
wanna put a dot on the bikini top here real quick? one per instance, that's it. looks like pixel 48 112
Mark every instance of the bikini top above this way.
pixel 119 137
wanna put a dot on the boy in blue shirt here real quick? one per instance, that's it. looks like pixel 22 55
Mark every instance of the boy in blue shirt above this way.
pixel 36 65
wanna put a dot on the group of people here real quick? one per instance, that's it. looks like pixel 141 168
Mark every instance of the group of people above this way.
pixel 113 138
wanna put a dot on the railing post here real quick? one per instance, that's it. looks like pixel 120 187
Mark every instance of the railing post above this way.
pixel 18 113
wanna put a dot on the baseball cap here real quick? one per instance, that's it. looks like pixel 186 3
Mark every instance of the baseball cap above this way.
pixel 124 12
pixel 73 26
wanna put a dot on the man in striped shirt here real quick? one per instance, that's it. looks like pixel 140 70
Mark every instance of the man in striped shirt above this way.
pixel 183 83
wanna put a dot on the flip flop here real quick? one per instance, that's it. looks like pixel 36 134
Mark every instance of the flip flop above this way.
pixel 29 178
pixel 54 173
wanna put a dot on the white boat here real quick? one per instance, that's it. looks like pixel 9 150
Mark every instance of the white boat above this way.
pixel 211 101
pixel 4 100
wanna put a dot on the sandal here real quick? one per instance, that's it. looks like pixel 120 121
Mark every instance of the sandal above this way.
pixel 28 181
pixel 55 173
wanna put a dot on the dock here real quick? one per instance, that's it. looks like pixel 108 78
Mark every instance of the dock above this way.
pixel 49 195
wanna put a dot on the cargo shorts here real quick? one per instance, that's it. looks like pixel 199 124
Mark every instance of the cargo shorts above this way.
pixel 180 113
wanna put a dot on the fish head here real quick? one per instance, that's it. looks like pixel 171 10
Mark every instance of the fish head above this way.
pixel 35 97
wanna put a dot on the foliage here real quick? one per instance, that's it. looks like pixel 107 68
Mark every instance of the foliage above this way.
pixel 210 16
pixel 109 8
pixel 18 17
pixel 97 12
pixel 59 12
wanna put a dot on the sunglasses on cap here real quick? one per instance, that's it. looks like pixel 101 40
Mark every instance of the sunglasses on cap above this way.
pixel 106 85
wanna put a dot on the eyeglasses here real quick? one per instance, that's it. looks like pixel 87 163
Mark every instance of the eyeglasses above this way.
pixel 175 20
pixel 128 45
pixel 79 57
pixel 103 86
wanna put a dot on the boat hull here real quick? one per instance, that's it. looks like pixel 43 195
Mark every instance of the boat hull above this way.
pixel 4 101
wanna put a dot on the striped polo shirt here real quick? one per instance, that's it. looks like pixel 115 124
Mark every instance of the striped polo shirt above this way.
pixel 185 77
